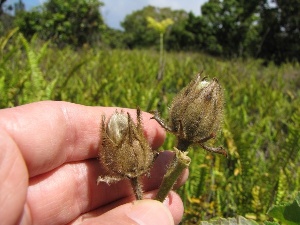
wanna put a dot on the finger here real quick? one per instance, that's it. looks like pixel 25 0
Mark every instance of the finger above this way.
pixel 50 134
pixel 139 212
pixel 173 202
pixel 71 190
pixel 14 181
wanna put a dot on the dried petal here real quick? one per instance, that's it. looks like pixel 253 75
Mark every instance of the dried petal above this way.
pixel 117 127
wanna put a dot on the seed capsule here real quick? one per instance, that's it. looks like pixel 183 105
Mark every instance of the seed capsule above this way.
pixel 125 151
pixel 196 114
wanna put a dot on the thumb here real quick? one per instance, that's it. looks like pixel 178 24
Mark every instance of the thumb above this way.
pixel 144 212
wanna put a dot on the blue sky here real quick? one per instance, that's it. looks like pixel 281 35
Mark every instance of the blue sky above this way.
pixel 114 11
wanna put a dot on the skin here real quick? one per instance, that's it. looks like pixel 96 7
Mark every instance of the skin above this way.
pixel 49 168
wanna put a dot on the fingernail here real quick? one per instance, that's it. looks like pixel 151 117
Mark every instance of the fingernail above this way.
pixel 149 212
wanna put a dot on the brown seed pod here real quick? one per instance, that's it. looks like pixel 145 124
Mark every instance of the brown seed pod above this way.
pixel 196 114
pixel 125 151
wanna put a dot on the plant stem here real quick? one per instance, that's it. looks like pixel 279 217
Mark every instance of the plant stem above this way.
pixel 178 164
pixel 161 42
pixel 137 188
pixel 161 56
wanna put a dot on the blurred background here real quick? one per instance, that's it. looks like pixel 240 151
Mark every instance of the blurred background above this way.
pixel 141 53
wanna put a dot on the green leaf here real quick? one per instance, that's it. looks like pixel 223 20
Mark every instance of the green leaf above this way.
pixel 288 213
pixel 239 220
pixel 270 223
pixel 159 26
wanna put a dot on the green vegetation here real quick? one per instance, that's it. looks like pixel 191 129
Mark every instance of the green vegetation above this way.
pixel 260 132
pixel 263 29
pixel 288 213
pixel 73 56
pixel 161 28
pixel 75 22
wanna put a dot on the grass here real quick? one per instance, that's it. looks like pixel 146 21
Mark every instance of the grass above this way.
pixel 260 132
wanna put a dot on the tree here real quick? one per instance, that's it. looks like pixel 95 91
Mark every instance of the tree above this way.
pixel 136 30
pixel 253 28
pixel 6 18
pixel 1 6
pixel 73 22
pixel 19 7
pixel 201 35
pixel 179 37
pixel 29 23
pixel 280 33
pixel 232 24
pixel 112 38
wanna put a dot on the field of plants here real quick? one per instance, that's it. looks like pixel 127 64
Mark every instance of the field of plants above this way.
pixel 261 130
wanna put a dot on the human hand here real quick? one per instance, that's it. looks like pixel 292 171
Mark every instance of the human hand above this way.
pixel 49 168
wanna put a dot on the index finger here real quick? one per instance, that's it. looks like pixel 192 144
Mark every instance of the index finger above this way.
pixel 49 133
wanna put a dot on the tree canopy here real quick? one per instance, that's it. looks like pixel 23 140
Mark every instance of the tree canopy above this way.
pixel 225 28
pixel 136 30
pixel 73 22
pixel 280 31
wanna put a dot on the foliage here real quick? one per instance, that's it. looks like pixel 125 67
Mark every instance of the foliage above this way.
pixel 31 85
pixel 260 132
pixel 230 221
pixel 228 28
pixel 6 23
pixel 137 33
pixel 63 22
pixel 289 213
pixel 231 22
pixel 280 32
pixel 180 37
pixel 112 38
pixel 161 26
pixel 1 6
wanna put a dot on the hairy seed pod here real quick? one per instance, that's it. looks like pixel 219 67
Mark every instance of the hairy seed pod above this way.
pixel 125 151
pixel 195 117
pixel 197 111
pixel 196 114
